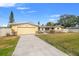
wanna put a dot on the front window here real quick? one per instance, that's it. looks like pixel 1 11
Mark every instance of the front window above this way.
pixel 46 28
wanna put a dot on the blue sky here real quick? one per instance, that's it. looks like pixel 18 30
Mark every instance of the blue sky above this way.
pixel 34 12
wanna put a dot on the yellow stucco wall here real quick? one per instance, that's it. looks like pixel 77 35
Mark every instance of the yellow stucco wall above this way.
pixel 14 28
pixel 25 29
pixel 57 29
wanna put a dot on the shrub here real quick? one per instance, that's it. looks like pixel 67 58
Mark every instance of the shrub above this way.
pixel 14 33
pixel 52 31
pixel 8 34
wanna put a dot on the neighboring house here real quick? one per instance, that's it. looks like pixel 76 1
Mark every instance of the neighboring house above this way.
pixel 24 28
pixel 73 29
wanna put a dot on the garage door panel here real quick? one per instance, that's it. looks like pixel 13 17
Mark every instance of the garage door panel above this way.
pixel 26 31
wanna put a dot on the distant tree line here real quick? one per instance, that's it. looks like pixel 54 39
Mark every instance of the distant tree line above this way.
pixel 66 20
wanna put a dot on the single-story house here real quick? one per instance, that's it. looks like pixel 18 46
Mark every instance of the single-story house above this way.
pixel 73 29
pixel 28 28
pixel 24 28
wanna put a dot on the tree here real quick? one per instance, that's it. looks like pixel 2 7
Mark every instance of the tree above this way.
pixel 49 24
pixel 68 20
pixel 39 26
pixel 38 23
pixel 42 25
pixel 11 18
pixel 78 20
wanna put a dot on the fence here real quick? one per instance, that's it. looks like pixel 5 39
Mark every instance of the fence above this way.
pixel 70 30
pixel 4 31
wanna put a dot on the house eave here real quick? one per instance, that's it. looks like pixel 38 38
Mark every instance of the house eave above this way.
pixel 21 23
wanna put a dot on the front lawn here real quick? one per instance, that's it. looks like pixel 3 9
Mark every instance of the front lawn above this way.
pixel 67 42
pixel 7 45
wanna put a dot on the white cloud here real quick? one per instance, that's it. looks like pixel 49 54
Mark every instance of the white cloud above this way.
pixel 3 25
pixel 22 8
pixel 52 19
pixel 7 4
pixel 31 11
pixel 57 15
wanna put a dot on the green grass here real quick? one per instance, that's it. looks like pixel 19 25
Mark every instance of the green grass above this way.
pixel 7 45
pixel 67 42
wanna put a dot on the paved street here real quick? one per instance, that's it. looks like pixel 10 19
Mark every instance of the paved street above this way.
pixel 30 45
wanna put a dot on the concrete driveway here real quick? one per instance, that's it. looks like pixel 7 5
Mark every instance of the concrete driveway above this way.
pixel 30 45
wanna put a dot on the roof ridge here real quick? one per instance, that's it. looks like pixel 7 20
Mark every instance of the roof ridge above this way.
pixel 23 23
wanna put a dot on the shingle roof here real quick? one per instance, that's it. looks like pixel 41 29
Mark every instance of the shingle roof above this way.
pixel 22 23
pixel 46 26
